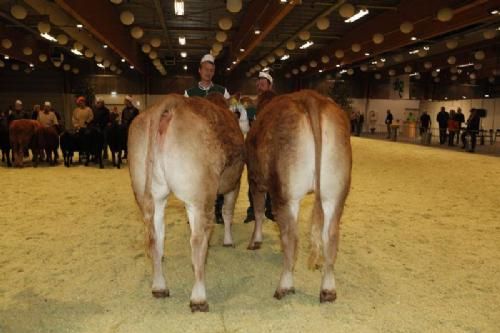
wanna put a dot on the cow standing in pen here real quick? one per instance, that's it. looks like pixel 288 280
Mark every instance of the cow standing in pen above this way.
pixel 194 149
pixel 300 143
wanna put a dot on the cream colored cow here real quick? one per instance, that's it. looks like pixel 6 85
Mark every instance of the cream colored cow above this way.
pixel 300 143
pixel 194 149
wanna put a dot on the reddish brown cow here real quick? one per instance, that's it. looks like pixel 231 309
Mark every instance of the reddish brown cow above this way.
pixel 22 134
pixel 194 149
pixel 300 143
pixel 48 142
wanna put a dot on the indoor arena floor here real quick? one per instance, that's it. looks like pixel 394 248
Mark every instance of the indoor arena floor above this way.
pixel 419 252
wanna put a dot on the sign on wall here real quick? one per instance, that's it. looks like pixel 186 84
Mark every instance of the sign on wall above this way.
pixel 400 87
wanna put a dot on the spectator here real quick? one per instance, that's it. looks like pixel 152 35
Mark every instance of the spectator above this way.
pixel 359 126
pixel 128 114
pixel 460 118
pixel 372 121
pixel 36 109
pixel 452 128
pixel 425 123
pixel 442 119
pixel 47 117
pixel 472 130
pixel 18 112
pixel 82 114
pixel 388 123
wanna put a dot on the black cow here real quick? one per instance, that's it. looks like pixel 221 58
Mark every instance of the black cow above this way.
pixel 69 144
pixel 92 144
pixel 117 139
pixel 4 138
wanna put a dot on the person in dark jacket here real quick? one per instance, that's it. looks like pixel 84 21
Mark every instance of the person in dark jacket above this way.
pixel 388 123
pixel 472 130
pixel 425 123
pixel 442 119
pixel 460 119
pixel 101 114
pixel 128 114
pixel 18 112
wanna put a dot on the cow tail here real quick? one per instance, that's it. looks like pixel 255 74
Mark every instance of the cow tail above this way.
pixel 315 258
pixel 156 126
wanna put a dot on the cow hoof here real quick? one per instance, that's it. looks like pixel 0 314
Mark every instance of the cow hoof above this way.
pixel 198 307
pixel 280 293
pixel 327 296
pixel 228 245
pixel 161 293
pixel 254 246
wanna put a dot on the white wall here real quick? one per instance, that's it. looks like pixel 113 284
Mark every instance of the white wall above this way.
pixel 400 109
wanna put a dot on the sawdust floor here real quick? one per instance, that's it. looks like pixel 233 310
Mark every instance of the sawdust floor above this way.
pixel 419 252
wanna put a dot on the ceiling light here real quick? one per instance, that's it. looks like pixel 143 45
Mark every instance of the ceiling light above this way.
pixel 413 52
pixel 414 38
pixel 438 70
pixel 75 51
pixel 486 95
pixel 242 50
pixel 265 69
pixel 100 65
pixel 321 71
pixel 466 65
pixel 257 31
pixel 494 12
pixel 228 68
pixel 285 57
pixel 179 7
pixel 382 59
pixel 234 62
pixel 48 37
pixel 464 97
pixel 6 57
pixel 105 46
pixel 414 74
pixel 31 65
pixel 79 26
pixel 427 48
pixel 113 93
pixel 446 98
pixel 131 67
pixel 283 1
pixel 182 40
pixel 337 65
pixel 183 54
pixel 367 54
pixel 306 45
pixel 123 60
pixel 357 16
pixel 185 67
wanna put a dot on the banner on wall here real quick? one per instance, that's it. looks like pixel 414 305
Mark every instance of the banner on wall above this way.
pixel 400 87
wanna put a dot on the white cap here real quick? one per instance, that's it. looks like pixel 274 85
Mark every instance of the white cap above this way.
pixel 265 75
pixel 19 102
pixel 129 98
pixel 209 58
pixel 47 103
pixel 99 99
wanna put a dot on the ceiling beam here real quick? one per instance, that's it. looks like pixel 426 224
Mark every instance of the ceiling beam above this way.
pixel 425 27
pixel 267 15
pixel 102 20
pixel 161 17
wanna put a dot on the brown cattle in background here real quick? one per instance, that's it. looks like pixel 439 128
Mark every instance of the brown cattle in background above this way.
pixel 300 143
pixel 194 149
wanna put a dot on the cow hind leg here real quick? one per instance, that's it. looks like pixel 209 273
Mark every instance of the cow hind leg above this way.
pixel 156 241
pixel 287 221
pixel 330 238
pixel 258 199
pixel 200 234
pixel 227 214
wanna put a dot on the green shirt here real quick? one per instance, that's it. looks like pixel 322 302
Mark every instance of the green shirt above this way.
pixel 200 92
